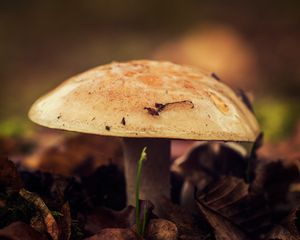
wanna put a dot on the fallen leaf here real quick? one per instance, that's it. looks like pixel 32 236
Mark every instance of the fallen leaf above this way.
pixel 20 231
pixel 273 179
pixel 161 229
pixel 289 229
pixel 76 154
pixel 205 163
pixel 65 222
pixel 48 218
pixel 189 227
pixel 208 161
pixel 230 200
pixel 223 228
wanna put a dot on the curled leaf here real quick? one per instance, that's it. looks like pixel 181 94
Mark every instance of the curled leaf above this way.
pixel 65 222
pixel 229 200
pixel 289 229
pixel 48 218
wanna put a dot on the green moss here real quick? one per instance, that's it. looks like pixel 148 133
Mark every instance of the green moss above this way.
pixel 277 117
pixel 14 127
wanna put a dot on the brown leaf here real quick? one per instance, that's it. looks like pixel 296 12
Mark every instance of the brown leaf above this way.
pixel 77 154
pixel 224 229
pixel 10 180
pixel 20 231
pixel 161 229
pixel 65 222
pixel 187 224
pixel 229 200
pixel 289 229
pixel 48 218
pixel 209 161
pixel 273 179
pixel 280 233
pixel 115 234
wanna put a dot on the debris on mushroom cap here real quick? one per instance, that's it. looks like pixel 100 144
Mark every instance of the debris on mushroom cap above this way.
pixel 99 98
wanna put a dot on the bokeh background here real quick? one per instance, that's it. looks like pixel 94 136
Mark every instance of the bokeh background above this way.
pixel 249 44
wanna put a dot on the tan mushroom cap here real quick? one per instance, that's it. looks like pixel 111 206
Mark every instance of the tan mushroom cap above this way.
pixel 147 99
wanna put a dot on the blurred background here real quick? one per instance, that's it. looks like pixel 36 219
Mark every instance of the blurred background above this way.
pixel 252 45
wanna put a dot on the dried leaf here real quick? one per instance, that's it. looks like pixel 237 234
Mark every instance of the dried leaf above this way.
pixel 273 179
pixel 77 154
pixel 65 222
pixel 209 161
pixel 229 200
pixel 115 234
pixel 20 231
pixel 161 229
pixel 224 229
pixel 188 226
pixel 48 218
pixel 280 233
pixel 289 229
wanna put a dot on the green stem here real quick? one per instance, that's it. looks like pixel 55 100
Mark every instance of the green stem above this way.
pixel 137 191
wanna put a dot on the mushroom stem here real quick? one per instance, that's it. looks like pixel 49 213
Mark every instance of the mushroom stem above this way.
pixel 155 182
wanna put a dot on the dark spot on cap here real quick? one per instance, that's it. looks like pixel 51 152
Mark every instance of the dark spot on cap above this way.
pixel 159 107
pixel 242 95
pixel 123 121
pixel 59 116
pixel 107 128
pixel 93 118
pixel 215 77
pixel 152 111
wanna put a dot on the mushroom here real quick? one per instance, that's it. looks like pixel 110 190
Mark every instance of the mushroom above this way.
pixel 148 103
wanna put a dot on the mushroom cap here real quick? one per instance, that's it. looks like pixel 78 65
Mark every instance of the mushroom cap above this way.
pixel 148 99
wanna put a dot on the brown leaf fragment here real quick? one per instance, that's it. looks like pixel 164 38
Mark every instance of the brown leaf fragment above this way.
pixel 215 76
pixel 159 107
pixel 65 222
pixel 245 99
pixel 161 229
pixel 289 229
pixel 188 226
pixel 223 228
pixel 20 231
pixel 123 121
pixel 65 155
pixel 223 160
pixel 273 179
pixel 229 200
pixel 152 111
pixel 280 233
pixel 37 222
pixel 115 234
pixel 48 218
